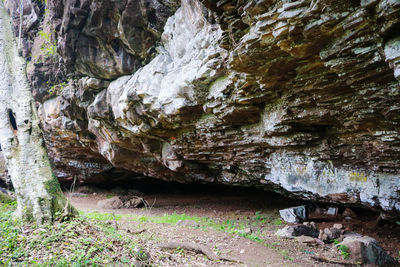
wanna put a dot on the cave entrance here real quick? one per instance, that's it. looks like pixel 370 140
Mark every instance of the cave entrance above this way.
pixel 239 209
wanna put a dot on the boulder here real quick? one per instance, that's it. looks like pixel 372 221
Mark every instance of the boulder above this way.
pixel 291 231
pixel 124 202
pixel 110 203
pixel 366 250
pixel 133 202
pixel 294 214
pixel 333 233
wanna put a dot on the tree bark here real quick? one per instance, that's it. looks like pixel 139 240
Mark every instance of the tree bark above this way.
pixel 39 195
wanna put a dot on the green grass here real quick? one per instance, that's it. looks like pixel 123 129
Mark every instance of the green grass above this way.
pixel 80 242
pixel 229 226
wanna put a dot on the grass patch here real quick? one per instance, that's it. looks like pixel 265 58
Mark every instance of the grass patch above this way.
pixel 229 226
pixel 80 242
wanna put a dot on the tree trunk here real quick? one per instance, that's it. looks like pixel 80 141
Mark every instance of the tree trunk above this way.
pixel 39 195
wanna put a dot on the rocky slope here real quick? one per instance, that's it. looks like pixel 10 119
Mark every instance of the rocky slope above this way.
pixel 295 96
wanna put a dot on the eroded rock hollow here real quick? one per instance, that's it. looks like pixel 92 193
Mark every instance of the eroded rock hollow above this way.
pixel 301 97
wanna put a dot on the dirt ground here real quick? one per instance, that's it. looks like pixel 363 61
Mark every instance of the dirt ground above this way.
pixel 238 208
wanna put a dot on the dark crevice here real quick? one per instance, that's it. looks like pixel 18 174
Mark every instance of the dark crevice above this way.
pixel 12 120
pixel 393 32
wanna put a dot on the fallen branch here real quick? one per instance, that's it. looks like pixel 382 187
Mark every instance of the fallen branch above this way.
pixel 196 248
pixel 334 261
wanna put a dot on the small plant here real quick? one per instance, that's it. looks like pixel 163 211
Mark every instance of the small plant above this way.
pixel 344 250
pixel 258 216
pixel 50 47
pixel 217 250
pixel 277 221
pixel 179 250
pixel 273 245
pixel 57 88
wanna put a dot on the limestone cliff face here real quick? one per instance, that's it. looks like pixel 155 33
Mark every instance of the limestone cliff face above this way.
pixel 295 96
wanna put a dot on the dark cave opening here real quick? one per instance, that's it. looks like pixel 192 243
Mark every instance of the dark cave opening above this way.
pixel 255 197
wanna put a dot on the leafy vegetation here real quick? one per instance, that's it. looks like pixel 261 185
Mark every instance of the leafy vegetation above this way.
pixel 80 242
pixel 344 250
pixel 50 47
pixel 57 88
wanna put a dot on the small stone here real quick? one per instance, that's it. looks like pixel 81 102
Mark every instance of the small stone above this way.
pixel 93 83
pixel 242 251
pixel 338 226
pixel 322 236
pixel 294 214
pixel 332 233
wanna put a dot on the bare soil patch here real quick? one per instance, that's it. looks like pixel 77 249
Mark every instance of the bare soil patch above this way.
pixel 256 213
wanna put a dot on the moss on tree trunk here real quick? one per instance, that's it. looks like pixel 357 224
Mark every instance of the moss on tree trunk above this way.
pixel 38 192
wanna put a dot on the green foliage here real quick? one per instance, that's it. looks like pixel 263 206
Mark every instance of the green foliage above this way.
pixel 277 221
pixel 344 250
pixel 80 242
pixel 50 47
pixel 57 88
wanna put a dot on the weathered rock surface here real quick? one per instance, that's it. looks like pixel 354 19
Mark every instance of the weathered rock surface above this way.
pixel 121 202
pixel 291 231
pixel 300 97
pixel 294 214
pixel 366 250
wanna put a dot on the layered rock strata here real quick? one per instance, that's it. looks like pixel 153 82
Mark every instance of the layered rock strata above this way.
pixel 295 96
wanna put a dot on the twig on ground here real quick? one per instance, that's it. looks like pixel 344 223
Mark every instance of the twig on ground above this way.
pixel 190 246
pixel 196 248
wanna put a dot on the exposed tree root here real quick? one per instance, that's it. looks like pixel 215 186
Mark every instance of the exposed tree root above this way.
pixel 196 248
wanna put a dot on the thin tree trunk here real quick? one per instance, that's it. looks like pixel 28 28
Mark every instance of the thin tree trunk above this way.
pixel 39 195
